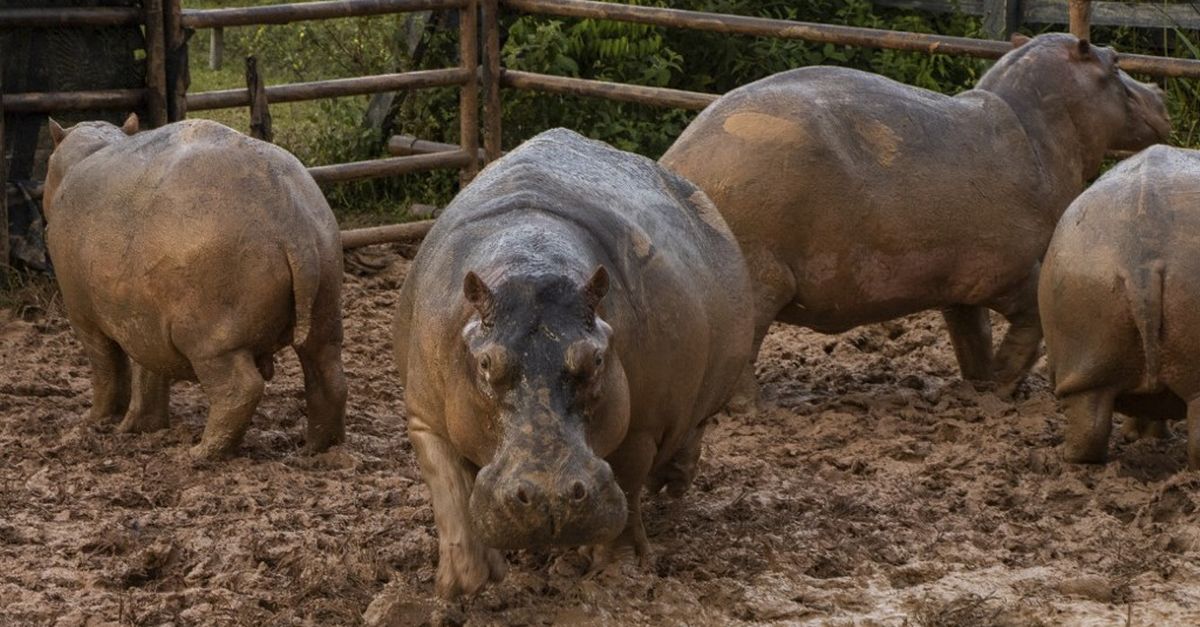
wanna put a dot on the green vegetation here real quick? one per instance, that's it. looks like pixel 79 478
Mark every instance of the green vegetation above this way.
pixel 331 131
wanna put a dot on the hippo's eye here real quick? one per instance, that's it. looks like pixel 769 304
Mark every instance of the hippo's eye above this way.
pixel 599 361
pixel 485 363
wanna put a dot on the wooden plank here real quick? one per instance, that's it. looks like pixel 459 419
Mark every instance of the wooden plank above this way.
pixel 156 63
pixel 409 231
pixel 401 145
pixel 50 102
pixel 260 111
pixel 1001 18
pixel 1080 19
pixel 178 76
pixel 288 13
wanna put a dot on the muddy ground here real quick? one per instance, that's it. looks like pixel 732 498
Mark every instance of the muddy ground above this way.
pixel 873 488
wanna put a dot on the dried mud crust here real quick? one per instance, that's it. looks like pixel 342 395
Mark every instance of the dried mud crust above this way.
pixel 873 488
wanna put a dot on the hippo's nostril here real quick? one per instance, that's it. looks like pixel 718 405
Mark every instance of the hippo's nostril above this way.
pixel 522 496
pixel 578 492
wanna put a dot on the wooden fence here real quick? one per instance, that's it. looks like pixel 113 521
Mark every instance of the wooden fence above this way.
pixel 168 26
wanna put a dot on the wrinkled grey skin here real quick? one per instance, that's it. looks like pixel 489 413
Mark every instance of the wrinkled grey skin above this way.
pixel 1120 303
pixel 569 323
pixel 857 199
pixel 197 253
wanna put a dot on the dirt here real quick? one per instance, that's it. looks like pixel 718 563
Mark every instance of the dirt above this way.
pixel 873 487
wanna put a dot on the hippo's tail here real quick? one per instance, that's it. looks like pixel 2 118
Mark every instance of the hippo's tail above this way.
pixel 306 271
pixel 1144 289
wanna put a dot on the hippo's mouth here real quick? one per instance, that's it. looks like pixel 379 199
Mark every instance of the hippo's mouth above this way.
pixel 507 525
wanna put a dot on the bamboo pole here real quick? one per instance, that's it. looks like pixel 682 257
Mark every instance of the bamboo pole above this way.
pixel 1080 12
pixel 392 166
pixel 287 13
pixel 356 238
pixel 260 112
pixel 656 96
pixel 401 145
pixel 493 110
pixel 156 63
pixel 66 17
pixel 294 92
pixel 468 100
pixel 51 102
pixel 216 48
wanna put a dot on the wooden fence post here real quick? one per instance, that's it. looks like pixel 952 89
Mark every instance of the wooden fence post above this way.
pixel 156 66
pixel 1001 18
pixel 492 105
pixel 1081 18
pixel 176 60
pixel 3 181
pixel 468 101
pixel 260 113
pixel 216 48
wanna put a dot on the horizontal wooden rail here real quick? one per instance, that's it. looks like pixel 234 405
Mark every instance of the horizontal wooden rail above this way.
pixel 56 18
pixel 764 27
pixel 392 166
pixel 356 238
pixel 657 96
pixel 1130 14
pixel 287 13
pixel 56 101
pixel 401 145
pixel 294 92
pixel 822 33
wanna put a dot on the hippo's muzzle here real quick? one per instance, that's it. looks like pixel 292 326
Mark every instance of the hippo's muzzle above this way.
pixel 546 493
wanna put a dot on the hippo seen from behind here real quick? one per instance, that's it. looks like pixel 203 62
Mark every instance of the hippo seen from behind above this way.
pixel 857 199
pixel 196 252
pixel 1120 303
pixel 570 322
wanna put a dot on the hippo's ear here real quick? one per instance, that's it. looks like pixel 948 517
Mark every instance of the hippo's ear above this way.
pixel 595 289
pixel 57 132
pixel 479 295
pixel 131 124
pixel 1083 50
pixel 1019 39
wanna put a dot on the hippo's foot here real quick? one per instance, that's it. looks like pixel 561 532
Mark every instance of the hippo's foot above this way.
pixel 1089 422
pixel 744 401
pixel 601 556
pixel 96 417
pixel 142 423
pixel 209 451
pixel 463 569
pixel 1134 429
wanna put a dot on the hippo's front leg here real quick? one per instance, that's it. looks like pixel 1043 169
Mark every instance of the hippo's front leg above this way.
pixel 631 463
pixel 148 404
pixel 1193 428
pixel 971 334
pixel 464 563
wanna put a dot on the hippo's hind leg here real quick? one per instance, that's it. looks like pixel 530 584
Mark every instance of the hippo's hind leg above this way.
pixel 324 391
pixel 1019 349
pixel 1193 431
pixel 234 386
pixel 1089 423
pixel 464 563
pixel 971 334
pixel 110 374
pixel 1146 415
pixel 148 406
pixel 678 473
pixel 774 288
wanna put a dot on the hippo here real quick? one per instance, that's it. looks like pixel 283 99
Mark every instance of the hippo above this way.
pixel 569 325
pixel 193 252
pixel 857 199
pixel 1120 305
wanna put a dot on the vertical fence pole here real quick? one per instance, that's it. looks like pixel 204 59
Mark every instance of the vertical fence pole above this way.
pixel 3 180
pixel 468 101
pixel 492 107
pixel 216 48
pixel 260 113
pixel 176 60
pixel 1081 18
pixel 1001 18
pixel 156 64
